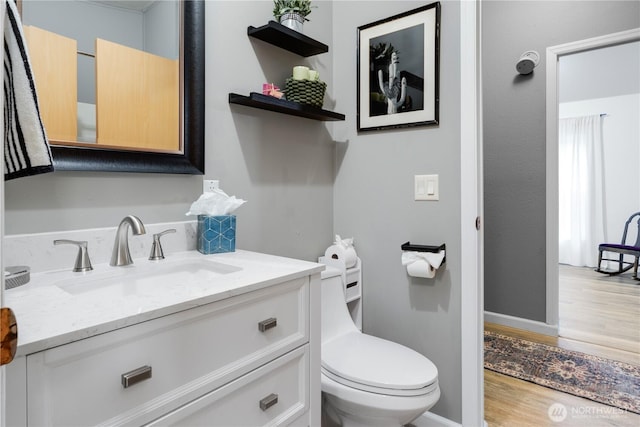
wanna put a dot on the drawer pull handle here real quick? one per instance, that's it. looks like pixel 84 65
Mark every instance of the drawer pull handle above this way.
pixel 133 377
pixel 272 322
pixel 268 401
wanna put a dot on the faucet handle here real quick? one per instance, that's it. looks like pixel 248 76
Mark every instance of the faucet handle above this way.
pixel 83 263
pixel 156 248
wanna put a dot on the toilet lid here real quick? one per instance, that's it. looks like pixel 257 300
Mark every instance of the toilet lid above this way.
pixel 372 362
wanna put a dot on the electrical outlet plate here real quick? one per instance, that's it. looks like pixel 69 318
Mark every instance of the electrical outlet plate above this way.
pixel 209 185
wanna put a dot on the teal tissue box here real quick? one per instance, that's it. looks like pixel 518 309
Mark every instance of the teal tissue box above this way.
pixel 216 234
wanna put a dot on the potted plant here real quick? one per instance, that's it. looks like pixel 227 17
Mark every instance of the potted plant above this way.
pixel 292 13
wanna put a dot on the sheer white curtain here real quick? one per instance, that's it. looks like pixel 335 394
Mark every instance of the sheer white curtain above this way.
pixel 581 186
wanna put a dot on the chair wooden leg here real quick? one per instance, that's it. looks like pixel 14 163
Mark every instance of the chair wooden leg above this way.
pixel 621 264
pixel 599 261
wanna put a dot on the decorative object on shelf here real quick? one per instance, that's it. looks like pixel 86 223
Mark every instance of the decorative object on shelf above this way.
pixel 294 21
pixel 305 91
pixel 272 90
pixel 292 13
pixel 398 70
pixel 305 87
pixel 268 87
pixel 300 72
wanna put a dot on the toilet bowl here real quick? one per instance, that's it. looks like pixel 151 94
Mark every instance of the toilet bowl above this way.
pixel 368 381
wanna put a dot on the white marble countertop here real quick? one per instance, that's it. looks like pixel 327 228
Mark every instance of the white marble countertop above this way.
pixel 59 307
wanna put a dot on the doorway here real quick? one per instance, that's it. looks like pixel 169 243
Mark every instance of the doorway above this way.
pixel 578 299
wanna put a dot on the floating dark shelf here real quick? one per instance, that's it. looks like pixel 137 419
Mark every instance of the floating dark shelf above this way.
pixel 285 38
pixel 265 102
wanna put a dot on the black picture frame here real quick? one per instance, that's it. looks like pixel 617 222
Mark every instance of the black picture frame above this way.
pixel 398 77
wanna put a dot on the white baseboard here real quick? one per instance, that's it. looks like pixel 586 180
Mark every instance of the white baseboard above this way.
pixel 429 419
pixel 520 323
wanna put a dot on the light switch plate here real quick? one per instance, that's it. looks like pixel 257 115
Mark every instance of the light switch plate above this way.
pixel 426 187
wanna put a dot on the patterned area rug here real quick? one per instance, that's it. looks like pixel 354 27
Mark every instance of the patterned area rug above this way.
pixel 606 381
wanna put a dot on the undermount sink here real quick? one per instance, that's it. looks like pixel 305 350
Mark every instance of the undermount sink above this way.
pixel 147 278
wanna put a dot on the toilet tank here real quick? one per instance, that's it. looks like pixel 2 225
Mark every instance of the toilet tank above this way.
pixel 336 319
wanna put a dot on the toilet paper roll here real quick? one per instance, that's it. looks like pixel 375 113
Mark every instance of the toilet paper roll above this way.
pixel 347 255
pixel 421 268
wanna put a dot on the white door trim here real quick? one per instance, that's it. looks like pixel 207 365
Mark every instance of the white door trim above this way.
pixel 553 53
pixel 472 304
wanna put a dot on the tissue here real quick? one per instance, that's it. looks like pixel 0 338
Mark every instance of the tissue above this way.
pixel 215 203
pixel 422 264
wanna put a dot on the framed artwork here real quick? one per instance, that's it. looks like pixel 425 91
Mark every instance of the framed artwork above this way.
pixel 398 70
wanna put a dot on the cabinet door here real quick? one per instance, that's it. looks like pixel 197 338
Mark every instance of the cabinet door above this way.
pixel 275 394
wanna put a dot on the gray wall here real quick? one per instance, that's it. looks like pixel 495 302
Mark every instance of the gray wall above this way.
pixel 600 73
pixel 161 29
pixel 283 165
pixel 374 202
pixel 514 138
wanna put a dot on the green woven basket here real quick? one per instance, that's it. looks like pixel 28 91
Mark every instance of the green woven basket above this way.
pixel 305 91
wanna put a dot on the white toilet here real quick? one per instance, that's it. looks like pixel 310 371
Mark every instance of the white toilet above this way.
pixel 368 381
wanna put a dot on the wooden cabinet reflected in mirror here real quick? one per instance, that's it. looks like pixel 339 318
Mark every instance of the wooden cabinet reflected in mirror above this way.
pixel 120 83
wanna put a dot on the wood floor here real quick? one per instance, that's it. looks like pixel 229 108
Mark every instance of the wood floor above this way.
pixel 510 402
pixel 598 308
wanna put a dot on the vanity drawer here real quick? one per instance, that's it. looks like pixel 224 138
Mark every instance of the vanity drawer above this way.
pixel 190 353
pixel 274 394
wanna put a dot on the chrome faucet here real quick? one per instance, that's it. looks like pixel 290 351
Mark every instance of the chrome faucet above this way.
pixel 121 255
pixel 83 263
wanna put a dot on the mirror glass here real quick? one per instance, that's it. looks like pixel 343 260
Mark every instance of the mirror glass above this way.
pixel 120 83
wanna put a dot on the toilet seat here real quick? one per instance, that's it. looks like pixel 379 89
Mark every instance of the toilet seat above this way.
pixel 372 364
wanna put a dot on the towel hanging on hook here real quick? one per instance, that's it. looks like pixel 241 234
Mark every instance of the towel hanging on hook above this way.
pixel 26 147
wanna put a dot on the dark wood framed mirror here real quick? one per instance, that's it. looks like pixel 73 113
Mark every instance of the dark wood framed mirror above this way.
pixel 191 158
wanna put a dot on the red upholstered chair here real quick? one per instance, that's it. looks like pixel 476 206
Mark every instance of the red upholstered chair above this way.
pixel 622 249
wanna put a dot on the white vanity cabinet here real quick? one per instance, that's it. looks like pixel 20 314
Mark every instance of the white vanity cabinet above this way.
pixel 245 360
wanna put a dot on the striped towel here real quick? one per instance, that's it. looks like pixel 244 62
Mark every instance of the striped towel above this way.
pixel 26 149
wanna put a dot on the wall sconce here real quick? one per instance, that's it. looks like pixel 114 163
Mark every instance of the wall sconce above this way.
pixel 527 62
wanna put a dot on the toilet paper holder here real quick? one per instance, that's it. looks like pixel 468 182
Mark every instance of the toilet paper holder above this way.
pixel 424 248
